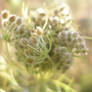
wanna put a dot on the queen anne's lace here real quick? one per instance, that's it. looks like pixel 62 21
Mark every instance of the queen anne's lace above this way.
pixel 48 41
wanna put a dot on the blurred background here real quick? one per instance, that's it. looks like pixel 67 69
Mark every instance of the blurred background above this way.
pixel 81 70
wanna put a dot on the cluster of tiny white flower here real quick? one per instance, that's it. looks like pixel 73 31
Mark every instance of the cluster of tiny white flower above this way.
pixel 48 41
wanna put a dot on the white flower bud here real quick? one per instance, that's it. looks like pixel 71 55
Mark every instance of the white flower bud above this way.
pixel 12 18
pixel 4 14
pixel 41 11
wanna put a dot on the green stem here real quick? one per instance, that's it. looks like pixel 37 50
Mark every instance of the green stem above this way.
pixel 46 22
pixel 66 87
pixel 4 84
pixel 87 38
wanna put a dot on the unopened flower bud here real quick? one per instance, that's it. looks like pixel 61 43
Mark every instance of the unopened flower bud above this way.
pixel 19 21
pixel 12 18
pixel 41 11
pixel 39 30
pixel 5 14
pixel 5 23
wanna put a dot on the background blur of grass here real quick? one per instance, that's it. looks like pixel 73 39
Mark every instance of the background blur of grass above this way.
pixel 82 14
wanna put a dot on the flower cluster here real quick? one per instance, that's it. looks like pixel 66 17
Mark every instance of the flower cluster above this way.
pixel 49 41
pixel 73 41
